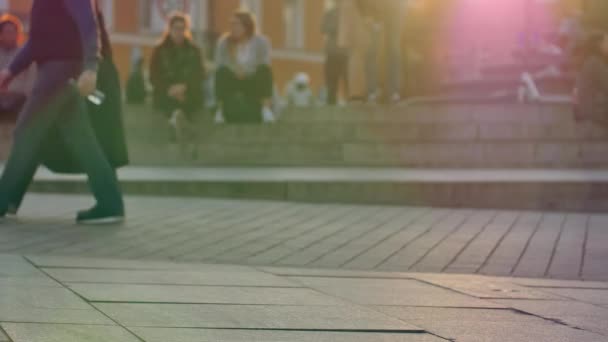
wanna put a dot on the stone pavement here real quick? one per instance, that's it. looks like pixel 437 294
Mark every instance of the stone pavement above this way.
pixel 72 299
pixel 350 237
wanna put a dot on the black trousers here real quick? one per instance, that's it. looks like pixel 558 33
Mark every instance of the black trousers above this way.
pixel 241 99
pixel 55 103
pixel 336 71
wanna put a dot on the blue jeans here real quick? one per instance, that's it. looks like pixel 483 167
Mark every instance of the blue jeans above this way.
pixel 55 103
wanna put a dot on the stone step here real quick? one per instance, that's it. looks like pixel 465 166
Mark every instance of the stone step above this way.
pixel 549 189
pixel 417 155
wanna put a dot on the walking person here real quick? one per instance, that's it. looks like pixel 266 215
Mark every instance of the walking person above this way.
pixel 336 57
pixel 64 43
pixel 243 80
pixel 106 121
pixel 592 84
pixel 177 74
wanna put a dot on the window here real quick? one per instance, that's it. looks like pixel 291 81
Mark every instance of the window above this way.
pixel 255 7
pixel 154 13
pixel 293 18
pixel 107 7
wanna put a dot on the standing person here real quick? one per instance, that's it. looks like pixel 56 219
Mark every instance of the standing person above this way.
pixel 243 80
pixel 176 72
pixel 389 14
pixel 11 39
pixel 336 57
pixel 592 87
pixel 64 43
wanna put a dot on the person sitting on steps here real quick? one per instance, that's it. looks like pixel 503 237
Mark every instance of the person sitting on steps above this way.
pixel 243 80
pixel 177 73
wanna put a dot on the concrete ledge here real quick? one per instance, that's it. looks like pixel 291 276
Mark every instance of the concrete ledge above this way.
pixel 505 189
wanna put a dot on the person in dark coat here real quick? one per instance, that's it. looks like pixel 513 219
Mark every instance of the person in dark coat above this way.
pixel 106 120
pixel 64 43
pixel 592 84
pixel 176 71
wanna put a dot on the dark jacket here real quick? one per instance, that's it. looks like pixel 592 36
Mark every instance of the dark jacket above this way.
pixel 106 119
pixel 172 64
pixel 593 90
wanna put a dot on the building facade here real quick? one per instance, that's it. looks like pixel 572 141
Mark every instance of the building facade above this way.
pixel 293 27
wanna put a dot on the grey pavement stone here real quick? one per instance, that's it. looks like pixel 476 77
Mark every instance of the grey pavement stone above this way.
pixel 488 325
pixel 507 254
pixel 358 243
pixel 330 239
pixel 433 315
pixel 201 294
pixel 355 237
pixel 56 316
pixel 3 337
pixel 549 283
pixel 567 260
pixel 64 262
pixel 330 273
pixel 252 317
pixel 390 246
pixel 484 287
pixel 203 276
pixel 576 314
pixel 512 332
pixel 392 292
pixel 438 258
pixel 27 332
pixel 591 296
pixel 41 298
pixel 535 261
pixel 206 335
pixel 409 256
pixel 597 249
pixel 476 254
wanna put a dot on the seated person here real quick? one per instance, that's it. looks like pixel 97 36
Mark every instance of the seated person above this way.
pixel 299 94
pixel 243 80
pixel 13 98
pixel 176 72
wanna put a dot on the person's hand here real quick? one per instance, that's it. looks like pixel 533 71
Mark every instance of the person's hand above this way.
pixel 87 82
pixel 5 79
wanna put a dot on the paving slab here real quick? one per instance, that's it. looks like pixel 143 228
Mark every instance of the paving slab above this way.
pixel 548 283
pixel 488 325
pixel 512 332
pixel 592 296
pixel 52 316
pixel 41 298
pixel 201 294
pixel 27 332
pixel 346 317
pixel 45 305
pixel 391 292
pixel 211 277
pixel 3 337
pixel 329 273
pixel 84 262
pixel 484 287
pixel 581 315
pixel 207 335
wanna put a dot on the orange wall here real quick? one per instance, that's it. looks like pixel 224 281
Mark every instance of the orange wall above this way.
pixel 126 16
pixel 20 5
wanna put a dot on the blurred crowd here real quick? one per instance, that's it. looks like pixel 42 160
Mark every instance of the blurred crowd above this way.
pixel 371 55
